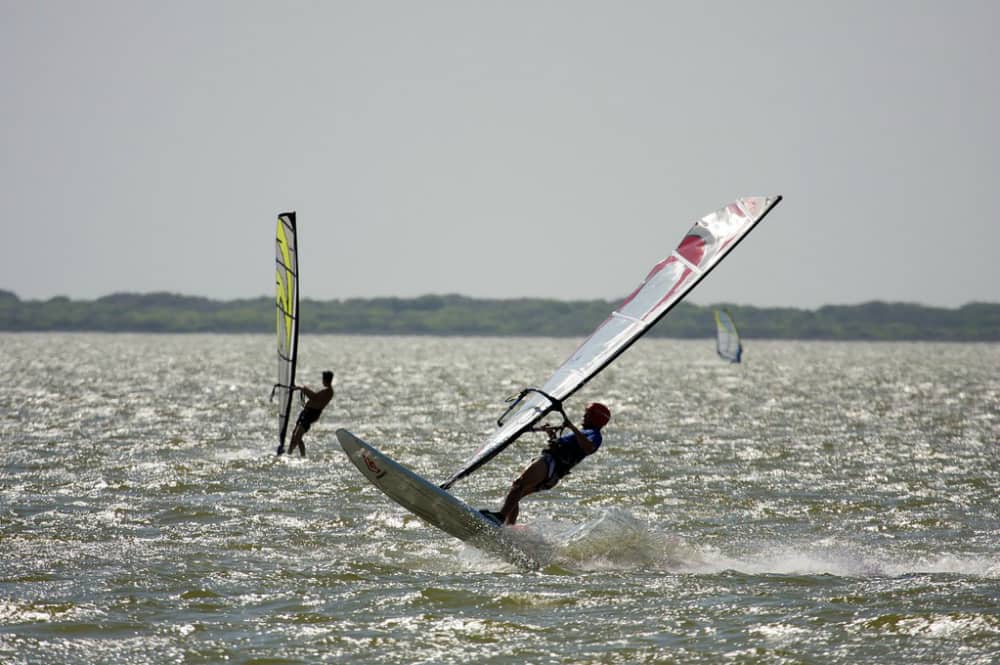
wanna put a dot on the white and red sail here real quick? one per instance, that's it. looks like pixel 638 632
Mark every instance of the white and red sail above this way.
pixel 701 249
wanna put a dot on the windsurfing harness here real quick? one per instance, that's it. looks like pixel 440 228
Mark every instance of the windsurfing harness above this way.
pixel 566 451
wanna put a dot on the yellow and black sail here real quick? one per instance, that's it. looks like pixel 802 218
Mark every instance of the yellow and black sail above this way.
pixel 287 311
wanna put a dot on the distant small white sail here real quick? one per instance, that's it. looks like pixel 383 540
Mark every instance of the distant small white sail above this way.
pixel 700 250
pixel 287 311
pixel 727 337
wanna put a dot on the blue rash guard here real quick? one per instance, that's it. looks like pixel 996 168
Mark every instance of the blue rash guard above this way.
pixel 565 452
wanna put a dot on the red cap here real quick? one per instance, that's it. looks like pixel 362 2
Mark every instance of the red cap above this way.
pixel 599 414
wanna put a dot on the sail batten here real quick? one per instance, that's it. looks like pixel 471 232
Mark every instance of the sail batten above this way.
pixel 700 250
pixel 692 267
pixel 626 317
pixel 287 317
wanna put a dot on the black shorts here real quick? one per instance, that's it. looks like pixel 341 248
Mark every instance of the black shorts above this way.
pixel 553 475
pixel 307 418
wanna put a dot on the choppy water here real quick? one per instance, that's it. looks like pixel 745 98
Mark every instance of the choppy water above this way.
pixel 821 503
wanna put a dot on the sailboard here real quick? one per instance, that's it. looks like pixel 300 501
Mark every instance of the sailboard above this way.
pixel 287 316
pixel 667 283
pixel 432 504
pixel 727 337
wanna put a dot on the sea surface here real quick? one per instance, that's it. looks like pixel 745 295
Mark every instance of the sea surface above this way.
pixel 818 503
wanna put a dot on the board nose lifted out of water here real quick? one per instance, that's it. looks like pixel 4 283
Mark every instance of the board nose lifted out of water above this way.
pixel 667 283
pixel 433 504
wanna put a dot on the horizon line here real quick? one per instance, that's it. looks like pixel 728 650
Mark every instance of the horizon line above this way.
pixel 482 298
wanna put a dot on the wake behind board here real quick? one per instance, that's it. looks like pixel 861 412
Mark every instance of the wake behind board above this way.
pixel 431 503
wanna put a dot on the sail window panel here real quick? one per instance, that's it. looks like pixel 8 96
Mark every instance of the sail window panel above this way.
pixel 602 345
pixel 649 299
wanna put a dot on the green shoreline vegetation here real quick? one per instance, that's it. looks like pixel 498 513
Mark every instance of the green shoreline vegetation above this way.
pixel 461 315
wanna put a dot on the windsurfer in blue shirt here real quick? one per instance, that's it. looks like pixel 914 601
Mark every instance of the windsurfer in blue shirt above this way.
pixel 556 460
pixel 316 401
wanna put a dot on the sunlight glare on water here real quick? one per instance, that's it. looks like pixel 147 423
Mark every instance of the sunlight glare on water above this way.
pixel 820 502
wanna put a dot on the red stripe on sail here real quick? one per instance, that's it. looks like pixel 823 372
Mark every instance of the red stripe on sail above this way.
pixel 692 248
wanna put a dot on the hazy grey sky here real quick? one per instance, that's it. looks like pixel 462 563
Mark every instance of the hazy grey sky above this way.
pixel 500 149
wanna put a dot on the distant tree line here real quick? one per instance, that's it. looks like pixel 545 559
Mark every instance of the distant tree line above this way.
pixel 460 315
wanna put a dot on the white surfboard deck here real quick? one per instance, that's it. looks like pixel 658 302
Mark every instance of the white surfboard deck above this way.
pixel 431 503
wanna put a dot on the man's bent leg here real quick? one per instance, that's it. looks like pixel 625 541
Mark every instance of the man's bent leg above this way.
pixel 527 483
pixel 296 441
